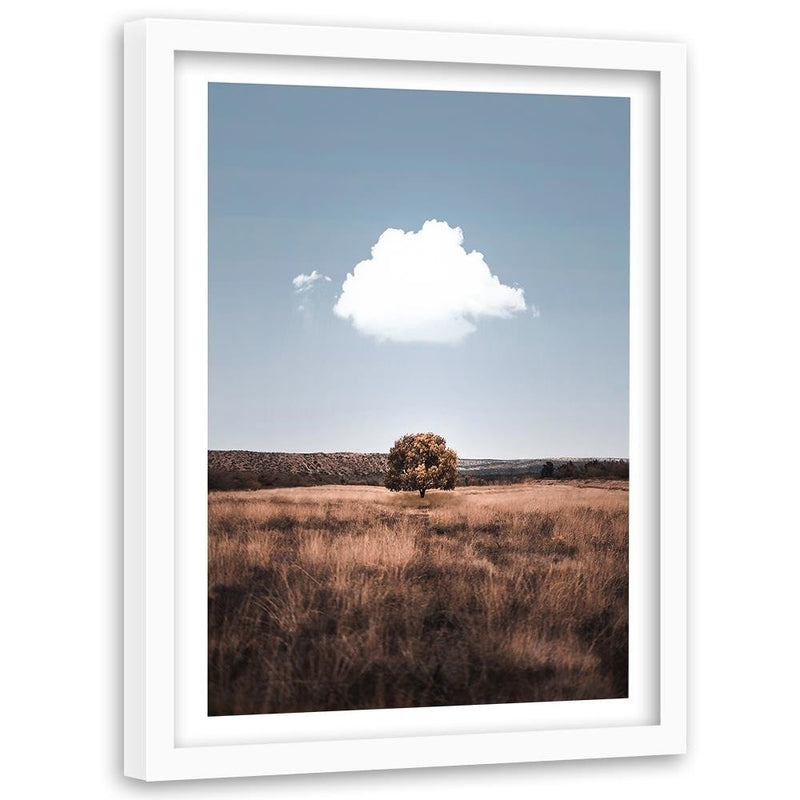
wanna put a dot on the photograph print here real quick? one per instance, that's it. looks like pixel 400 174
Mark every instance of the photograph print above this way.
pixel 418 354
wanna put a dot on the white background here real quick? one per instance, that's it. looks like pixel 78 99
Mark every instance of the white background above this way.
pixel 60 332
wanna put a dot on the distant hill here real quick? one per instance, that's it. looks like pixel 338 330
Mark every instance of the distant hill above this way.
pixel 302 469
pixel 248 469
pixel 485 467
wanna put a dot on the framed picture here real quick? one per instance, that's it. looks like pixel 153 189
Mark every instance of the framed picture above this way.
pixel 404 385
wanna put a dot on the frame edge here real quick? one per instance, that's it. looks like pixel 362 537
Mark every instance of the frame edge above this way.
pixel 134 418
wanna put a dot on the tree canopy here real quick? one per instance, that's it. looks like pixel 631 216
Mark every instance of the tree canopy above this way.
pixel 421 461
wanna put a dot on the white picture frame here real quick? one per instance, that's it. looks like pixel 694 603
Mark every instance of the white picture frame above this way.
pixel 164 197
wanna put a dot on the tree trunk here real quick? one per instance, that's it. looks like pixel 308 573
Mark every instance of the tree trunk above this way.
pixel 422 493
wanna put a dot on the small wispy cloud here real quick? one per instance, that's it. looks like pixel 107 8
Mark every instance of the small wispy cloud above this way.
pixel 422 286
pixel 303 282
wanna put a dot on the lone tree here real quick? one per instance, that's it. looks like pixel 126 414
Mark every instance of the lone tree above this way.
pixel 421 461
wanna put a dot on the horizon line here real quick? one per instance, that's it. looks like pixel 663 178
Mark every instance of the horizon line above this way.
pixel 381 453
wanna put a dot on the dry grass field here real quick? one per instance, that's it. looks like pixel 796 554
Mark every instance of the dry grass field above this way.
pixel 351 597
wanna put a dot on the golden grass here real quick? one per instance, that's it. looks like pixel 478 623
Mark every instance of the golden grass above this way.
pixel 343 597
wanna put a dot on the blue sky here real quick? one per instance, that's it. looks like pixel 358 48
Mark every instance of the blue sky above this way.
pixel 304 181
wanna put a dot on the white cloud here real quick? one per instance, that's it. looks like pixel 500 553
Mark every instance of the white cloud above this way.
pixel 303 282
pixel 424 287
